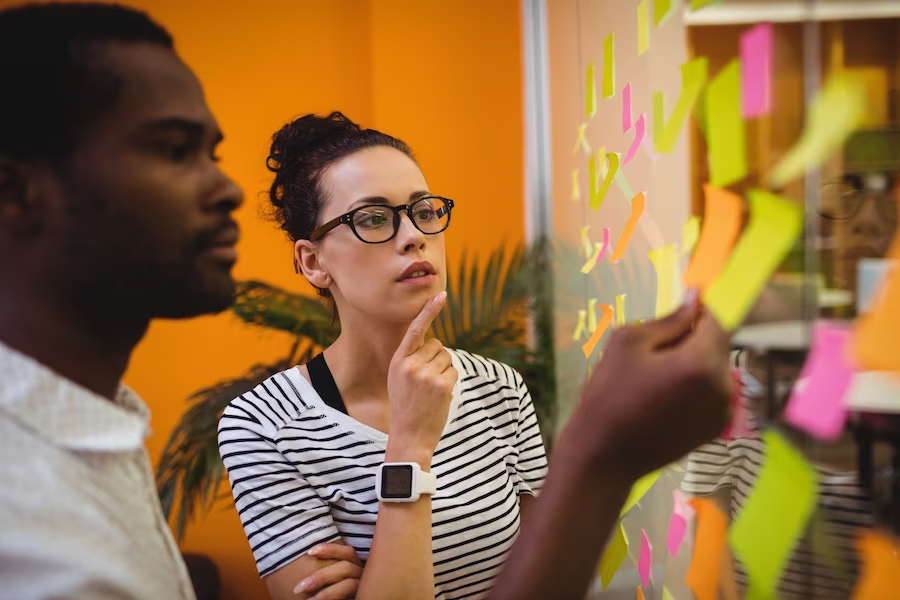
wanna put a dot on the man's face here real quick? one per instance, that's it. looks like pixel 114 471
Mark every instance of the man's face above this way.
pixel 140 220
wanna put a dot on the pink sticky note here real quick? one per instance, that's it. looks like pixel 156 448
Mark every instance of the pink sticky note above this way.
pixel 644 560
pixel 756 70
pixel 739 417
pixel 816 403
pixel 638 138
pixel 677 528
pixel 605 246
pixel 626 108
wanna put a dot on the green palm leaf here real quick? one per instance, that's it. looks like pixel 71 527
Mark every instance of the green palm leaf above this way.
pixel 267 306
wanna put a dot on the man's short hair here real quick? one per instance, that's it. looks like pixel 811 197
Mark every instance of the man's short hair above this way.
pixel 51 87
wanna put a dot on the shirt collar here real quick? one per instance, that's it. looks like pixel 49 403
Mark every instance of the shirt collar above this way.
pixel 66 413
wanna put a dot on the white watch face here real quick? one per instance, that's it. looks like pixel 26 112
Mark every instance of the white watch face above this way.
pixel 396 481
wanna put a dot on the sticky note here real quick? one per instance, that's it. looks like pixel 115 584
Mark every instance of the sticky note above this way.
pixel 620 309
pixel 605 320
pixel 703 575
pixel 592 260
pixel 880 554
pixel 757 48
pixel 663 260
pixel 626 109
pixel 833 115
pixel 613 556
pixel 592 314
pixel 876 339
pixel 623 184
pixel 774 515
pixel 698 4
pixel 817 407
pixel 587 246
pixel 690 234
pixel 605 248
pixel 609 67
pixel 775 224
pixel 644 561
pixel 667 595
pixel 639 490
pixel 640 594
pixel 582 142
pixel 643 27
pixel 677 529
pixel 579 328
pixel 636 142
pixel 721 225
pixel 590 91
pixel 661 10
pixel 637 208
pixel 725 127
pixel 576 189
pixel 740 416
pixel 665 131
pixel 599 194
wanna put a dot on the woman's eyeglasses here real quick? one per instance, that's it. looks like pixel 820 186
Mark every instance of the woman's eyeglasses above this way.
pixel 842 200
pixel 378 223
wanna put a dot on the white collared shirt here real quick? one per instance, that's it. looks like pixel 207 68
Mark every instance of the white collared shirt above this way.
pixel 79 512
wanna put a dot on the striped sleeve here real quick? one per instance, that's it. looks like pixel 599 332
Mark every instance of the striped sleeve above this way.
pixel 531 465
pixel 282 515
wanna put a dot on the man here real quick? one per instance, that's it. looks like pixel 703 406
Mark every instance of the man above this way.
pixel 113 212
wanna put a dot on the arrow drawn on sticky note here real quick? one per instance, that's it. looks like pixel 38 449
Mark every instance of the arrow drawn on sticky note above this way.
pixel 614 555
pixel 598 195
pixel 721 224
pixel 638 138
pixel 693 79
pixel 605 320
pixel 703 575
pixel 637 209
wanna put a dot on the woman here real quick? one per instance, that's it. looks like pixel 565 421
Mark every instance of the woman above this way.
pixel 302 449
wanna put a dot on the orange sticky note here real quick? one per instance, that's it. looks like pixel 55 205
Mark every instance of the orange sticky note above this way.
pixel 640 595
pixel 876 340
pixel 605 320
pixel 721 224
pixel 703 574
pixel 637 209
pixel 880 564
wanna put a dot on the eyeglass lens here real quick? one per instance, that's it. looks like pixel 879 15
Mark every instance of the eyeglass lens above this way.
pixel 379 223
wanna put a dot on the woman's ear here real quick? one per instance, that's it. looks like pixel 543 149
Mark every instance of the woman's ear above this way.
pixel 306 256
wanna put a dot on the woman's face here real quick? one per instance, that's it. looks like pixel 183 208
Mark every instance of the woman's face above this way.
pixel 369 280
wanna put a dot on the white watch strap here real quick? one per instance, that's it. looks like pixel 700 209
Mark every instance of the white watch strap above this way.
pixel 427 483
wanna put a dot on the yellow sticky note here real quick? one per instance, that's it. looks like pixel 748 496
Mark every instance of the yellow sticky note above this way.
pixel 609 67
pixel 665 131
pixel 690 233
pixel 775 224
pixel 620 309
pixel 592 314
pixel 643 27
pixel 661 10
pixel 576 189
pixel 880 555
pixel 725 127
pixel 590 90
pixel 582 142
pixel 663 260
pixel 579 328
pixel 721 225
pixel 639 490
pixel 614 555
pixel 598 194
pixel 703 575
pixel 774 515
pixel 592 259
pixel 876 340
pixel 698 4
pixel 586 245
pixel 667 595
pixel 834 114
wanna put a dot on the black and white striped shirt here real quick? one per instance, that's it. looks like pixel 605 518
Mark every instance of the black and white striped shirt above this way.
pixel 303 473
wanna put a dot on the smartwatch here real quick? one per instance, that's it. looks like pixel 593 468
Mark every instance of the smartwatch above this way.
pixel 403 482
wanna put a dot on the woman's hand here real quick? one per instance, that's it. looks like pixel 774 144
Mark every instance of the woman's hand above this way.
pixel 420 387
pixel 337 581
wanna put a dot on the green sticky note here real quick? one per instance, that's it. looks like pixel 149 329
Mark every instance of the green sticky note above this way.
pixel 590 90
pixel 639 490
pixel 775 224
pixel 833 115
pixel 661 10
pixel 698 4
pixel 609 67
pixel 774 516
pixel 643 27
pixel 693 80
pixel 598 192
pixel 613 556
pixel 725 127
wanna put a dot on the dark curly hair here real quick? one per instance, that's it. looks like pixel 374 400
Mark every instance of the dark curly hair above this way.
pixel 301 152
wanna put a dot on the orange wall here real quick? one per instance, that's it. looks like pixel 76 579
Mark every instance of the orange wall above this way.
pixel 446 77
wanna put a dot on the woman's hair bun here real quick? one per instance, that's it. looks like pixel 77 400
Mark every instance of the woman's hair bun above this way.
pixel 301 138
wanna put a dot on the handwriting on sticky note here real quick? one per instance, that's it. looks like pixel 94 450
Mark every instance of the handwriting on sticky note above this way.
pixel 661 11
pixel 721 225
pixel 592 260
pixel 725 127
pixel 665 131
pixel 605 320
pixel 834 114
pixel 637 209
pixel 880 554
pixel 636 142
pixel 609 67
pixel 876 338
pixel 703 575
pixel 579 328
pixel 620 309
pixel 613 556
pixel 626 110
pixel 605 246
pixel 664 262
pixel 774 515
pixel 817 407
pixel 645 559
pixel 643 27
pixel 576 189
pixel 639 490
pixel 690 234
pixel 757 48
pixel 590 91
pixel 775 224
pixel 598 194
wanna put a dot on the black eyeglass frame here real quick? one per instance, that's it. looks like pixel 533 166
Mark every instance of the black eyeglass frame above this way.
pixel 347 219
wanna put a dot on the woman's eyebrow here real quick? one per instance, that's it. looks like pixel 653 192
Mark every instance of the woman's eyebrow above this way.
pixel 382 200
